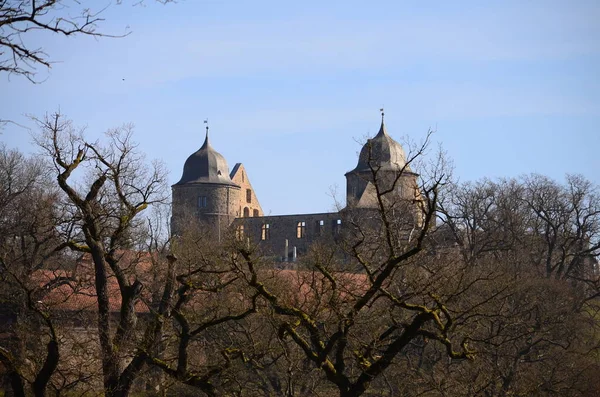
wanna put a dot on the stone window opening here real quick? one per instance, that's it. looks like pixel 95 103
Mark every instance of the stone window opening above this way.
pixel 337 226
pixel 246 212
pixel 265 232
pixel 248 196
pixel 239 232
pixel 400 189
pixel 255 213
pixel 301 229
pixel 320 227
pixel 202 202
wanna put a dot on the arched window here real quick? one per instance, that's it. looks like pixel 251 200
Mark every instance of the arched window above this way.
pixel 248 196
pixel 246 212
pixel 255 213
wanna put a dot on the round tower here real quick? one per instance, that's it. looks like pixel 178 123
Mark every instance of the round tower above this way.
pixel 205 193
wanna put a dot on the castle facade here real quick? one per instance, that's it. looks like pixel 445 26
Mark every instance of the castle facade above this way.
pixel 219 200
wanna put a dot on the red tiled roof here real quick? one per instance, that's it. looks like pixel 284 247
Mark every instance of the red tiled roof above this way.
pixel 78 293
pixel 75 290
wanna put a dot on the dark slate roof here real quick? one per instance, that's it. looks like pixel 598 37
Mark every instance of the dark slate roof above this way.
pixel 206 166
pixel 235 169
pixel 381 151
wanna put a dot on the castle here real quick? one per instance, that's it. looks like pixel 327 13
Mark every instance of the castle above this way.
pixel 209 194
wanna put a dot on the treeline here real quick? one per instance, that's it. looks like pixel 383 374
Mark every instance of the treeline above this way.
pixel 490 290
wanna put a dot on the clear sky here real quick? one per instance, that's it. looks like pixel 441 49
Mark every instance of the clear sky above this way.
pixel 512 87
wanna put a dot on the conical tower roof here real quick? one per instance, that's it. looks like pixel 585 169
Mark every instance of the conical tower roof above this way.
pixel 206 166
pixel 381 152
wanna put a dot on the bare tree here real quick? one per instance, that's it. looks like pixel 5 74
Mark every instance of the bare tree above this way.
pixel 352 327
pixel 31 254
pixel 547 226
pixel 538 335
pixel 488 288
pixel 105 204
pixel 20 18
pixel 204 305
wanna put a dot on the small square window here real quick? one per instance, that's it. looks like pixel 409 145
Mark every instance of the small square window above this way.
pixel 202 202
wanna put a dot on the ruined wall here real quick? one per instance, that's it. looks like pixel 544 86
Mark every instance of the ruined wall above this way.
pixel 271 232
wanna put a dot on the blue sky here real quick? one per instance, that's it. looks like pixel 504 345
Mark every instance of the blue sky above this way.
pixel 511 87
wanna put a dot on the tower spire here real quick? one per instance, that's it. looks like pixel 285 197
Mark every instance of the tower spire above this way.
pixel 382 130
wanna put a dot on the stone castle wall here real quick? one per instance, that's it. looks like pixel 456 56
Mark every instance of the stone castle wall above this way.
pixel 360 190
pixel 215 205
pixel 248 205
pixel 299 230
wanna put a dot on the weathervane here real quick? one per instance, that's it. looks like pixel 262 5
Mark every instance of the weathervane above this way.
pixel 382 114
pixel 206 122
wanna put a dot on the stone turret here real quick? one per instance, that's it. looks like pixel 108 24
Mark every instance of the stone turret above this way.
pixel 382 160
pixel 205 192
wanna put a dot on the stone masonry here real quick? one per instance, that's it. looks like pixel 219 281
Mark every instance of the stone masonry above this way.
pixel 207 193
